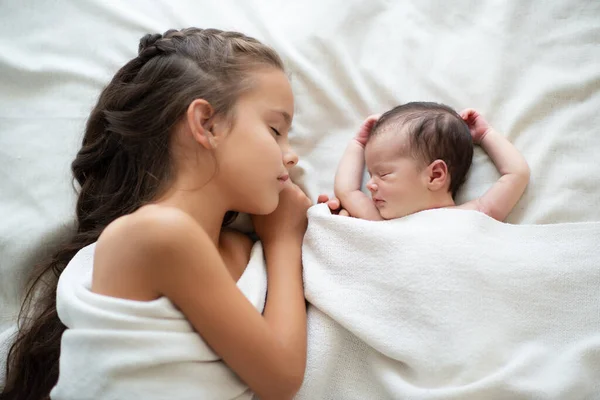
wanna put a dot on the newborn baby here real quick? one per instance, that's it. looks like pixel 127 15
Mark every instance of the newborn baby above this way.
pixel 418 155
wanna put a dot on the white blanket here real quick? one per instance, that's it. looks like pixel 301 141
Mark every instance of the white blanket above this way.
pixel 451 304
pixel 532 67
pixel 117 349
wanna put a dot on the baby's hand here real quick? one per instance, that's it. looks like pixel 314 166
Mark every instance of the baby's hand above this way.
pixel 365 129
pixel 476 123
pixel 334 205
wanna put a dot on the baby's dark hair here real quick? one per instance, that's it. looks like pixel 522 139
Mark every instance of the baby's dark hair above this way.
pixel 435 132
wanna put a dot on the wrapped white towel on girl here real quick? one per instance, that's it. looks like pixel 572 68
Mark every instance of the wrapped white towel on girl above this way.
pixel 451 304
pixel 117 349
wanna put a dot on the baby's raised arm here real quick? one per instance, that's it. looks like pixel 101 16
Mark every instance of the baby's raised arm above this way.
pixel 501 198
pixel 348 177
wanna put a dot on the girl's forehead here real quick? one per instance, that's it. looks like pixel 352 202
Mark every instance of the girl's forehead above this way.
pixel 272 89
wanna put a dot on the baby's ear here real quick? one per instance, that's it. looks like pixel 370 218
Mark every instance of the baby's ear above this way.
pixel 437 176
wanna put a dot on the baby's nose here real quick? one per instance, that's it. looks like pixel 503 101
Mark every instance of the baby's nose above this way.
pixel 371 186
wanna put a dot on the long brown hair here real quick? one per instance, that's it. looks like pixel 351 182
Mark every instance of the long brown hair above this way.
pixel 124 163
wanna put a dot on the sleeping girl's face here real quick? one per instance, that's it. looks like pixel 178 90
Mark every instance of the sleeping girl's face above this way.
pixel 255 155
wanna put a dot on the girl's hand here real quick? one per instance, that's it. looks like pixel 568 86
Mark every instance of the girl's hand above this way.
pixel 288 221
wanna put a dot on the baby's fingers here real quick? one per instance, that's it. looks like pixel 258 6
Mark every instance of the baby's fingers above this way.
pixel 468 113
pixel 367 125
pixel 333 204
pixel 371 121
pixel 323 198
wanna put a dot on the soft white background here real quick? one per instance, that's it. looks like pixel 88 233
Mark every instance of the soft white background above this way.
pixel 532 68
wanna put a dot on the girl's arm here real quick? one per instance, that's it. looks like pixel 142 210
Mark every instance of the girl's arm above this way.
pixel 176 257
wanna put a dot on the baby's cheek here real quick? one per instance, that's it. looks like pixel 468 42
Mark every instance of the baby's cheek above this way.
pixel 386 188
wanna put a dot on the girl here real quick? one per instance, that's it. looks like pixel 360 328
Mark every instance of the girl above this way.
pixel 194 126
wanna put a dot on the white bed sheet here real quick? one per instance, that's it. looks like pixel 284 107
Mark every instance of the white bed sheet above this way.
pixel 532 68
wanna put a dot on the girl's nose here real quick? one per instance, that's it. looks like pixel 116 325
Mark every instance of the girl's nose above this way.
pixel 290 159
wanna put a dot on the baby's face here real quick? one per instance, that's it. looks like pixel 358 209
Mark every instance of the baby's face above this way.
pixel 398 183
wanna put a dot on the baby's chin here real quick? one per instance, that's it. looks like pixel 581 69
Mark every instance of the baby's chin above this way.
pixel 390 213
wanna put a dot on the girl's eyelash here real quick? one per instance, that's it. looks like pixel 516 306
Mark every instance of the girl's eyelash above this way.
pixel 276 131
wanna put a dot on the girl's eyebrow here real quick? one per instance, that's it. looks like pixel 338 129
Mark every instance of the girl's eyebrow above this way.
pixel 286 117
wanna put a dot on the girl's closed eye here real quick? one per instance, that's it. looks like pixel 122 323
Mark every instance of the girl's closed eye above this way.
pixel 276 131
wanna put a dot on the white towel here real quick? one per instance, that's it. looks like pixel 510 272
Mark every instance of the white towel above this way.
pixel 451 304
pixel 124 349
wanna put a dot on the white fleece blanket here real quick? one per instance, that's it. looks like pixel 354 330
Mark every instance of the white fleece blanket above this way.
pixel 451 304
pixel 531 67
pixel 117 349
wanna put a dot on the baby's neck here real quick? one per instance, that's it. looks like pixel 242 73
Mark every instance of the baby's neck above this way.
pixel 441 201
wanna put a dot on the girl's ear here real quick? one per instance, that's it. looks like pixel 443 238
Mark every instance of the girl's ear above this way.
pixel 199 118
pixel 437 176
